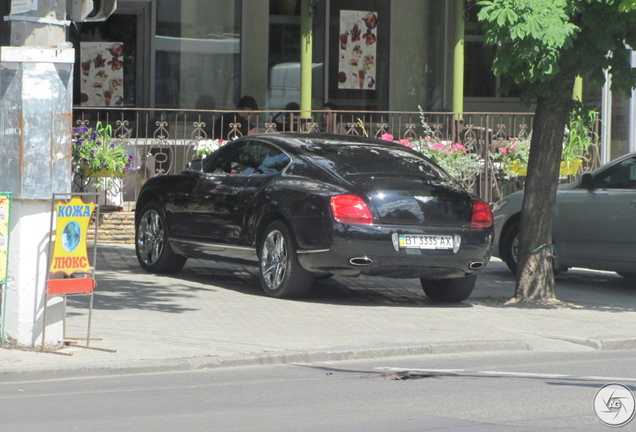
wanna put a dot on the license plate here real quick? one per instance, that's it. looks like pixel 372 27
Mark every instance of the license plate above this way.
pixel 418 241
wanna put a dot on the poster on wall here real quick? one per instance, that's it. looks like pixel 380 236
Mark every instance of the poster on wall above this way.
pixel 102 66
pixel 358 43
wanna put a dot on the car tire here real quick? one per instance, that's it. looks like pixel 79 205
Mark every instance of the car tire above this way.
pixel 627 275
pixel 510 247
pixel 151 243
pixel 280 272
pixel 449 290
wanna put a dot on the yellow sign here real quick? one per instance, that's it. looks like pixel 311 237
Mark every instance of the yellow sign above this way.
pixel 5 209
pixel 69 253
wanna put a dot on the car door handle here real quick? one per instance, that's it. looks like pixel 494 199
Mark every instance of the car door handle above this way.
pixel 634 203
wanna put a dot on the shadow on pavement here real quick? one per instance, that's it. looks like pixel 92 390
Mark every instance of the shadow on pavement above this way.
pixel 123 284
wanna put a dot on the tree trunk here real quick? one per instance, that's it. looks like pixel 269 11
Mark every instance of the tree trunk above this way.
pixel 535 274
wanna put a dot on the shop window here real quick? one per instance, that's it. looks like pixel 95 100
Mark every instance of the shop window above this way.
pixel 197 54
pixel 284 55
pixel 479 79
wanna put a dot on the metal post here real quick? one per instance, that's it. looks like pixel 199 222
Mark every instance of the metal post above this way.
pixel 458 59
pixel 307 10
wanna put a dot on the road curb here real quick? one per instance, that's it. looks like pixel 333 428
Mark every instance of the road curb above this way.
pixel 604 344
pixel 33 373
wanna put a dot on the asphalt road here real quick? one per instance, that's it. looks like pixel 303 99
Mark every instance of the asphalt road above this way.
pixel 520 391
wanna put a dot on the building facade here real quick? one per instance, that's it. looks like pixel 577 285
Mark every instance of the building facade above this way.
pixel 206 54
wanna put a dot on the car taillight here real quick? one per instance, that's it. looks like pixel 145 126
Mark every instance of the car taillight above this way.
pixel 482 215
pixel 350 208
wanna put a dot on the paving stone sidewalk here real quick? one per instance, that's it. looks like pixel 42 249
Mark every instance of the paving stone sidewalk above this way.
pixel 215 315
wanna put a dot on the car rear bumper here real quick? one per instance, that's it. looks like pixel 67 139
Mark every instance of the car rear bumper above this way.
pixel 369 250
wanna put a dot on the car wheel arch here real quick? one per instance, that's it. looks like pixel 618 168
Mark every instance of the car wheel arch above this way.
pixel 143 200
pixel 512 220
pixel 264 221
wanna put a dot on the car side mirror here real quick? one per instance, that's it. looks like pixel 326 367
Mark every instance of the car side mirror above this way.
pixel 587 182
pixel 196 165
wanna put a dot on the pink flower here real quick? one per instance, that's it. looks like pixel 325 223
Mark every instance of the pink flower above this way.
pixel 437 146
pixel 503 150
pixel 406 143
pixel 387 137
pixel 460 147
pixel 427 139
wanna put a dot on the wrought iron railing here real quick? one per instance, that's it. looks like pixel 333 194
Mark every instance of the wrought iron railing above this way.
pixel 163 141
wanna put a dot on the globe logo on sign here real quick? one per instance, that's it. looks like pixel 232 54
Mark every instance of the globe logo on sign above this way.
pixel 71 236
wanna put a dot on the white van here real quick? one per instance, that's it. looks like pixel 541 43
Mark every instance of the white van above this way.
pixel 284 85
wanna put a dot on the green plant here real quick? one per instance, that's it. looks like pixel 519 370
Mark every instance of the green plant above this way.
pixel 510 156
pixel 457 160
pixel 460 161
pixel 581 140
pixel 94 150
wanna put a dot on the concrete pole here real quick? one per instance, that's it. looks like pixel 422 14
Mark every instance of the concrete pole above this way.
pixel 49 31
pixel 306 45
pixel 458 58
pixel 35 139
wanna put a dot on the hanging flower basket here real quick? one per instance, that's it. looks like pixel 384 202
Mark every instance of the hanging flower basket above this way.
pixel 519 168
pixel 98 154
pixel 567 167
pixel 570 167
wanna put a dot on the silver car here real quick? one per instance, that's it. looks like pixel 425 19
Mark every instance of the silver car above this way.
pixel 594 221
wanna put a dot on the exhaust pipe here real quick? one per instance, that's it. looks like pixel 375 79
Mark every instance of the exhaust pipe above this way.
pixel 361 261
pixel 476 265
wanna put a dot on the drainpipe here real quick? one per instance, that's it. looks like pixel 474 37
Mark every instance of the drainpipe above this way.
pixel 606 117
pixel 631 133
pixel 307 11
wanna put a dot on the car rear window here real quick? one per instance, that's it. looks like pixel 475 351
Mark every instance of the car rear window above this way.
pixel 355 159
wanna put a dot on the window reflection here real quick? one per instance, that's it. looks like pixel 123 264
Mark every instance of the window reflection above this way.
pixel 197 48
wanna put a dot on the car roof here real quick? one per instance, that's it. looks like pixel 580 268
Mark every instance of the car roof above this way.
pixel 302 141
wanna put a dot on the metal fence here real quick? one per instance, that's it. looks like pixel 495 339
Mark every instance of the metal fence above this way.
pixel 163 141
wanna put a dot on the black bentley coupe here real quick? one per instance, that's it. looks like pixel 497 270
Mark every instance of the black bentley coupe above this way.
pixel 301 206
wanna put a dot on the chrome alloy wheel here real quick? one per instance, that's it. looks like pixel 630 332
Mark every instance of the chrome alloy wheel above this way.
pixel 274 259
pixel 150 235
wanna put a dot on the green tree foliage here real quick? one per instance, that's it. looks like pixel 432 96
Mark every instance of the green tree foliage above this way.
pixel 542 41
pixel 542 45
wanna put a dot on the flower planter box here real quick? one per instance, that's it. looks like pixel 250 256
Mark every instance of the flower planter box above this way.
pixel 567 168
pixel 570 168
pixel 88 172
